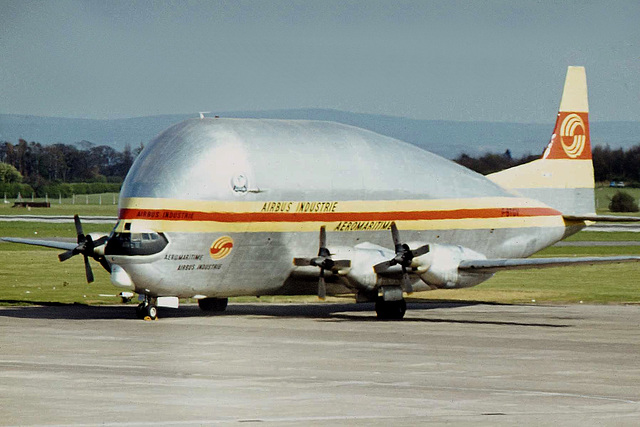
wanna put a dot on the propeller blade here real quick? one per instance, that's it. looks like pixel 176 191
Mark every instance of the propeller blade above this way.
pixel 301 262
pixel 79 232
pixel 101 241
pixel 420 251
pixel 323 237
pixel 322 261
pixel 322 288
pixel 66 255
pixel 404 256
pixel 342 263
pixel 87 268
pixel 395 234
pixel 406 282
pixel 384 266
pixel 105 264
pixel 86 246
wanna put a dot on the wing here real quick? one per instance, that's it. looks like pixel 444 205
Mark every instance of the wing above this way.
pixel 601 218
pixel 494 265
pixel 68 246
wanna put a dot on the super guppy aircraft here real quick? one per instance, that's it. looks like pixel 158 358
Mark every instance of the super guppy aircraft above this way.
pixel 214 208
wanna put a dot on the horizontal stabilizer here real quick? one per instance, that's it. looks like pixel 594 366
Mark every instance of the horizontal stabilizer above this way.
pixel 68 246
pixel 494 265
pixel 601 218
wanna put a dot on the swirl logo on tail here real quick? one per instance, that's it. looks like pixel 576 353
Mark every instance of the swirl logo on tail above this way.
pixel 573 135
pixel 221 247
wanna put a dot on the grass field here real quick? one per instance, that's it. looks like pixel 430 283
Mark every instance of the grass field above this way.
pixel 605 193
pixel 33 275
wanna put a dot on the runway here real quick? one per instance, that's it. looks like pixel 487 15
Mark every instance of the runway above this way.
pixel 321 364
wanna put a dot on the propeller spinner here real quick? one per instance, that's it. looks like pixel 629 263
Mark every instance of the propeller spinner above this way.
pixel 324 261
pixel 404 257
pixel 86 246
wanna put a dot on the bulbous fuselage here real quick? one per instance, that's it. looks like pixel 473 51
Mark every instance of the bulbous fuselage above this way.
pixel 238 199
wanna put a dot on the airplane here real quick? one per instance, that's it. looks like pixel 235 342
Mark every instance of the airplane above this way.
pixel 215 208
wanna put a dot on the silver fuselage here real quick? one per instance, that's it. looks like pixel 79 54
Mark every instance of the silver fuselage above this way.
pixel 269 185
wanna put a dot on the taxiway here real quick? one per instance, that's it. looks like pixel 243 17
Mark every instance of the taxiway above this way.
pixel 321 364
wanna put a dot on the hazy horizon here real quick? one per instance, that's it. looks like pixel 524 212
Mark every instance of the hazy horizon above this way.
pixel 195 114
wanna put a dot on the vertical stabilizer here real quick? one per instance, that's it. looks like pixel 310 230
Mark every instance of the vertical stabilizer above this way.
pixel 563 177
pixel 570 138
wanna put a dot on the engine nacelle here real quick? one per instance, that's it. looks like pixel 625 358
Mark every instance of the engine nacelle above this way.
pixel 363 258
pixel 361 273
pixel 439 267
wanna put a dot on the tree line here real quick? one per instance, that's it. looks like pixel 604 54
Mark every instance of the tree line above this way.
pixel 608 164
pixel 62 169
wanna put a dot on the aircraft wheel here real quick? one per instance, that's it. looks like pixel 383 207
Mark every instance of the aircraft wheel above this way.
pixel 213 304
pixel 390 310
pixel 145 310
pixel 152 312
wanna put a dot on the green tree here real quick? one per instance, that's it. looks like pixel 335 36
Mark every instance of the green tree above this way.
pixel 9 174
pixel 623 202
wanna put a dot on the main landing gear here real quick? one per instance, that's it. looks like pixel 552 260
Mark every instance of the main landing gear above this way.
pixel 213 304
pixel 390 310
pixel 147 309
pixel 390 303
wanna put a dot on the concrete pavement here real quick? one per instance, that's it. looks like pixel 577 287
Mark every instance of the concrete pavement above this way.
pixel 321 364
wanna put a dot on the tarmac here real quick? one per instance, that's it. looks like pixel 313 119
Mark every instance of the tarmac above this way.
pixel 321 364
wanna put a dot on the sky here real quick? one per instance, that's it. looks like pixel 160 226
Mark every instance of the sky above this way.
pixel 436 60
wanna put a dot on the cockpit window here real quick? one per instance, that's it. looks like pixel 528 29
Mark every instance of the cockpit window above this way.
pixel 148 243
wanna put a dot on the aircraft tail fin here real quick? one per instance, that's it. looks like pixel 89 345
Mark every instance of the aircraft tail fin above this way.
pixel 563 176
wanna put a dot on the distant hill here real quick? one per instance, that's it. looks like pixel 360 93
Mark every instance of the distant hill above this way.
pixel 446 138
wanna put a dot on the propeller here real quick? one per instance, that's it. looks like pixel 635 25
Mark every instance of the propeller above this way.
pixel 404 256
pixel 86 246
pixel 324 261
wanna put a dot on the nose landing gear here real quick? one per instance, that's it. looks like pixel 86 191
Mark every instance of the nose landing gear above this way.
pixel 147 309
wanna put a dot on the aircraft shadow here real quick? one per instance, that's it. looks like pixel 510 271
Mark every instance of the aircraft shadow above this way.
pixel 329 312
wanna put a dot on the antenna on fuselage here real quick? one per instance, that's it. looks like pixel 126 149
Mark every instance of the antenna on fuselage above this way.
pixel 202 113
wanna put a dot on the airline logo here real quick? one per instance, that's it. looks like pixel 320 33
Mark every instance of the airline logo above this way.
pixel 572 135
pixel 221 247
pixel 570 139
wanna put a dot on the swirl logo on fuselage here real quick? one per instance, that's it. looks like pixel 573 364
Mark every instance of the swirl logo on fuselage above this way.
pixel 572 135
pixel 221 247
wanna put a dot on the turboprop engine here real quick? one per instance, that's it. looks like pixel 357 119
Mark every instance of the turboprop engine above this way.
pixel 436 269
pixel 410 267
pixel 362 276
pixel 439 267
pixel 90 245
